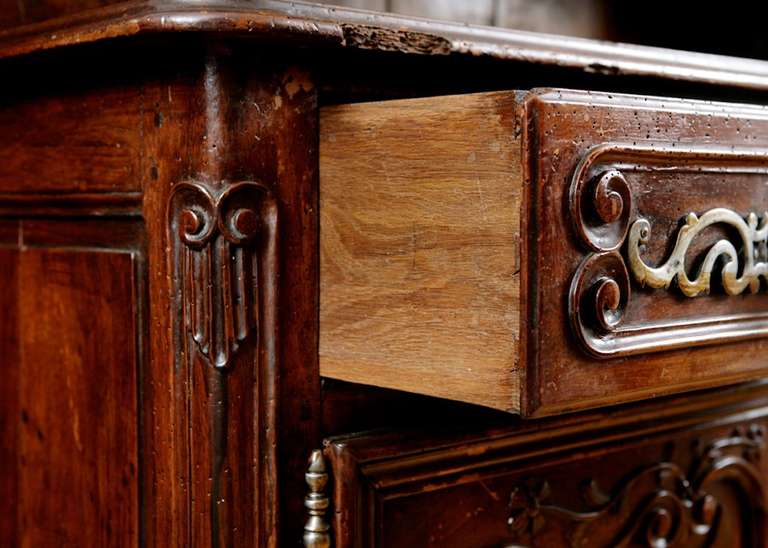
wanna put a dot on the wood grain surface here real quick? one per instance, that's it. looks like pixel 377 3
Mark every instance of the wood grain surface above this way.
pixel 70 406
pixel 419 231
pixel 57 142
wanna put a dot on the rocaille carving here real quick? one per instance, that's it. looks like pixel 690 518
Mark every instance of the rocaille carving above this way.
pixel 660 505
pixel 218 265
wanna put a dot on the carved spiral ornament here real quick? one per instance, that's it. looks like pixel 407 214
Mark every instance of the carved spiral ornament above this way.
pixel 217 263
pixel 598 297
pixel 600 208
pixel 194 220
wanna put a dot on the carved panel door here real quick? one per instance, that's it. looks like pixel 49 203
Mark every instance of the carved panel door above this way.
pixel 69 400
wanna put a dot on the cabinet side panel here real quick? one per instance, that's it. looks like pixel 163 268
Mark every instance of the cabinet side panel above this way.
pixel 419 243
pixel 77 436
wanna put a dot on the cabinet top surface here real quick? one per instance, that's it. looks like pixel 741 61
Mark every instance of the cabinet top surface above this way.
pixel 53 25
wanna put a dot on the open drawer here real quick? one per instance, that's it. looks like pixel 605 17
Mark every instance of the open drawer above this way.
pixel 545 251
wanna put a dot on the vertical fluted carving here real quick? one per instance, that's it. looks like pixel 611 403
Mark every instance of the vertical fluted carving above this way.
pixel 218 265
pixel 223 243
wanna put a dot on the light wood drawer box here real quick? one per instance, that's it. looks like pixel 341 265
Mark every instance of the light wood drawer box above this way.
pixel 544 251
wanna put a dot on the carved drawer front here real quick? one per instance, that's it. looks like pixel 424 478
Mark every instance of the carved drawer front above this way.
pixel 546 251
pixel 690 478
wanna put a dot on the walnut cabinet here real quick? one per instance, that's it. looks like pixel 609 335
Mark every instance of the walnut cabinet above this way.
pixel 277 274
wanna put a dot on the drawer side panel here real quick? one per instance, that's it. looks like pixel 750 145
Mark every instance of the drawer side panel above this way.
pixel 419 242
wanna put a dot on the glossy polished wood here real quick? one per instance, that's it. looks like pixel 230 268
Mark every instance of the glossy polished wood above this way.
pixel 75 480
pixel 675 157
pixel 289 22
pixel 106 114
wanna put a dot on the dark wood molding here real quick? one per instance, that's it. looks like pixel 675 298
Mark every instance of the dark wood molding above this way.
pixel 84 204
pixel 697 443
pixel 289 22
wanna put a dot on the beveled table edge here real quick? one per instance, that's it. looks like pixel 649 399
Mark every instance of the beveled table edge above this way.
pixel 315 24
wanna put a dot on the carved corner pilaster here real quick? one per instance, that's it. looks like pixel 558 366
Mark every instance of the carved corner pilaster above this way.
pixel 223 265
pixel 316 530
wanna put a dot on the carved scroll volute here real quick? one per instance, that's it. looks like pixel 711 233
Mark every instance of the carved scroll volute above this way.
pixel 220 235
pixel 599 294
pixel 601 206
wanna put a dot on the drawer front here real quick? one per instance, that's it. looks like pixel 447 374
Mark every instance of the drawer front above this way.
pixel 691 477
pixel 544 252
pixel 646 247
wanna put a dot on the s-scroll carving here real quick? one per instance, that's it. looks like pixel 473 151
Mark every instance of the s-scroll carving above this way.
pixel 601 207
pixel 735 277
pixel 219 235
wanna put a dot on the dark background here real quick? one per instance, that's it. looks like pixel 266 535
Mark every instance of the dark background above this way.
pixel 731 28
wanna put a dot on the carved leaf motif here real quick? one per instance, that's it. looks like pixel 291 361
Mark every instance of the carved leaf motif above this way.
pixel 216 264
